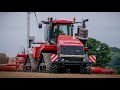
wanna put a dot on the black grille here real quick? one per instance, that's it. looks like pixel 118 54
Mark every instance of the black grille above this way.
pixel 73 58
pixel 71 50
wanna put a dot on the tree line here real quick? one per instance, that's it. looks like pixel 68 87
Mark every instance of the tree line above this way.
pixel 106 57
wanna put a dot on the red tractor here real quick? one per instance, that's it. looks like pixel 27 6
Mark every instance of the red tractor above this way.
pixel 61 51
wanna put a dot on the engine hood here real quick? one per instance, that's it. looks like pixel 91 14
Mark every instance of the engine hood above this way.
pixel 66 40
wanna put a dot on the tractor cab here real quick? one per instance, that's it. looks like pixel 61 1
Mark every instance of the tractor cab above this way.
pixel 54 28
pixel 65 29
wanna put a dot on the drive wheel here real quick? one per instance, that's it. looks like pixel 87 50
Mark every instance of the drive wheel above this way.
pixel 85 69
pixel 34 63
pixel 27 65
pixel 50 66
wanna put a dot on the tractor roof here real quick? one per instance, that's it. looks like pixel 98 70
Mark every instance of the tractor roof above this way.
pixel 63 21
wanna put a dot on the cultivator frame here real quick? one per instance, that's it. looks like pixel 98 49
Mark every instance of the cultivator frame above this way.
pixel 16 65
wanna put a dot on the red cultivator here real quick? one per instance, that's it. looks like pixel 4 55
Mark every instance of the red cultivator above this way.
pixel 100 70
pixel 14 66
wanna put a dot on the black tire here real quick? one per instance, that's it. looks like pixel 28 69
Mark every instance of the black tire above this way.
pixel 3 58
pixel 41 64
pixel 34 63
pixel 85 69
pixel 50 66
pixel 88 70
pixel 27 65
pixel 54 68
pixel 82 70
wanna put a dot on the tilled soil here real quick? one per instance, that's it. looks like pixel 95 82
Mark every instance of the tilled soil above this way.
pixel 50 75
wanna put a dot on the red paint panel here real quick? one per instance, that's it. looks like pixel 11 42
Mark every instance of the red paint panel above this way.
pixel 50 47
pixel 36 51
pixel 21 55
pixel 66 40
pixel 63 21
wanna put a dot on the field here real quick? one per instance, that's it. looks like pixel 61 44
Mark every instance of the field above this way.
pixel 13 74
pixel 50 75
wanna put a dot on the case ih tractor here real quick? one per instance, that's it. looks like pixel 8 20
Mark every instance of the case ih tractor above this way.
pixel 61 51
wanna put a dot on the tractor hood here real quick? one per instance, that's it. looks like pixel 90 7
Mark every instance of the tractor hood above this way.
pixel 66 40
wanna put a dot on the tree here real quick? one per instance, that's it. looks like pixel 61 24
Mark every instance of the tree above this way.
pixel 115 49
pixel 101 50
pixel 115 59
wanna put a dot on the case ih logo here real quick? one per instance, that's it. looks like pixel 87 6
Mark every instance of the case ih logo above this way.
pixel 54 57
pixel 92 58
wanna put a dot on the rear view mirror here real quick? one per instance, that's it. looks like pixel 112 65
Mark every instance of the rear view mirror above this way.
pixel 86 20
pixel 39 25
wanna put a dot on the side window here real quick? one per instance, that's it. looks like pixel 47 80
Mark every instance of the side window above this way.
pixel 69 30
pixel 64 29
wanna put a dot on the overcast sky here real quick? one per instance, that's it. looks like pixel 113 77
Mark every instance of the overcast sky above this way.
pixel 104 26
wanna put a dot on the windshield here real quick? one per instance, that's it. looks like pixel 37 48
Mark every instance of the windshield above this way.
pixel 65 29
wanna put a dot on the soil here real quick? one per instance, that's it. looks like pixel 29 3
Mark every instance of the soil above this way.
pixel 4 74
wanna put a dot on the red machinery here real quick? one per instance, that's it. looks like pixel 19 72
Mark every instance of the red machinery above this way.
pixel 61 51
pixel 100 70
pixel 20 62
pixel 14 66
